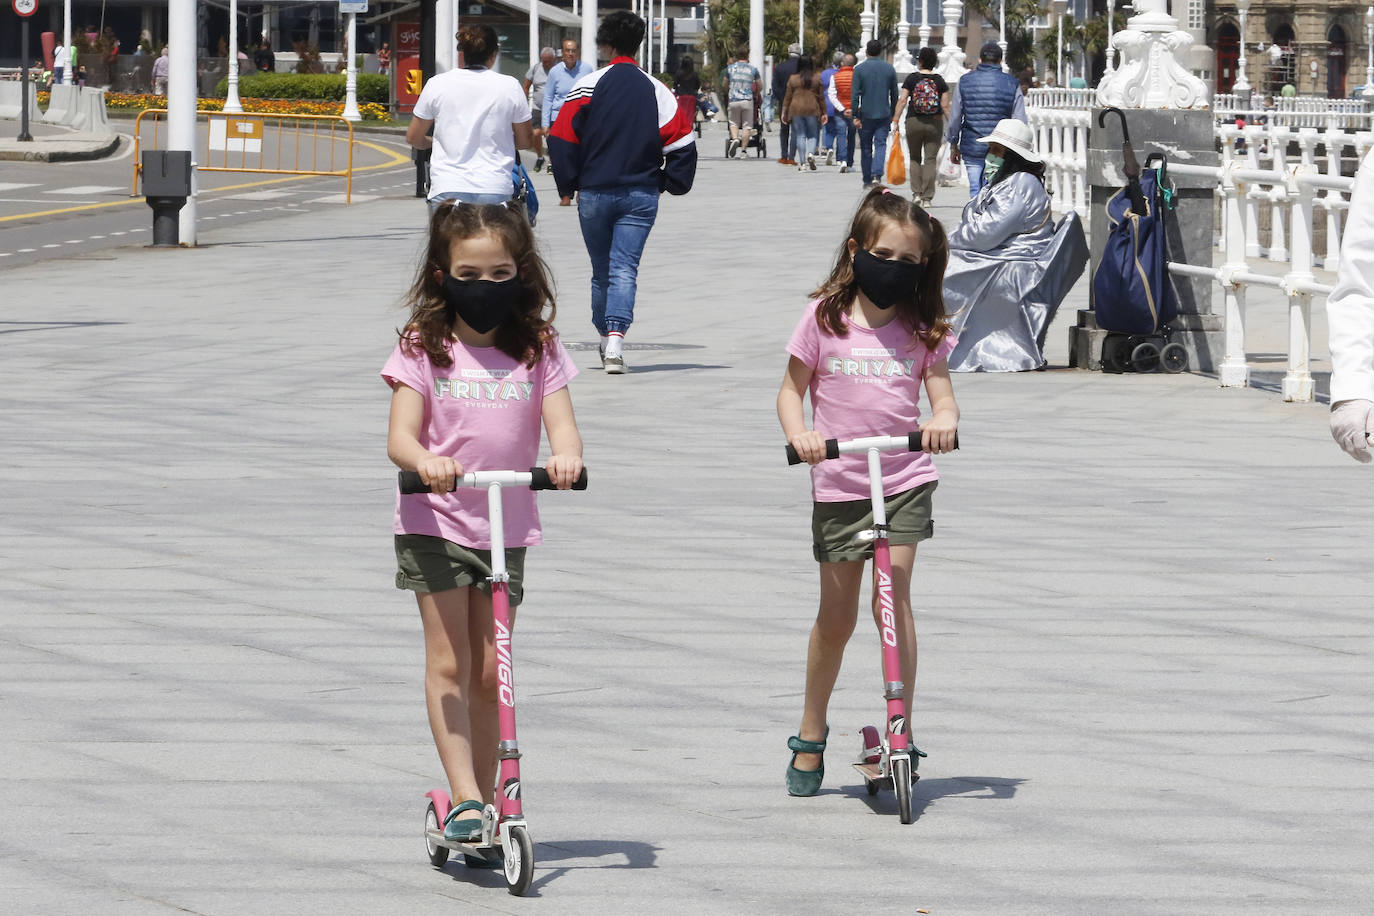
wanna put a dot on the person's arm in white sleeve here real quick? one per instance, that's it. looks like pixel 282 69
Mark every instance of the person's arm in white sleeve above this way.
pixel 1350 322
pixel 834 96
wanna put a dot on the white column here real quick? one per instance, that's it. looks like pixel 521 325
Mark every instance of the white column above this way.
pixel 648 17
pixel 231 95
pixel 756 39
pixel 1060 5
pixel 951 55
pixel 1111 41
pixel 924 31
pixel 181 100
pixel 663 35
pixel 534 32
pixel 589 32
pixel 1234 371
pixel 902 59
pixel 445 47
pixel 67 41
pixel 350 111
pixel 1369 42
pixel 801 24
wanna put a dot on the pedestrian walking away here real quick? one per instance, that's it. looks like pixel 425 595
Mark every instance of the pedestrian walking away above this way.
pixel 980 99
pixel 840 97
pixel 265 61
pixel 687 87
pixel 804 108
pixel 781 74
pixel 536 78
pixel 59 62
pixel 874 94
pixel 832 129
pixel 560 83
pixel 925 97
pixel 1350 318
pixel 620 140
pixel 480 117
pixel 477 368
pixel 873 335
pixel 160 73
pixel 744 84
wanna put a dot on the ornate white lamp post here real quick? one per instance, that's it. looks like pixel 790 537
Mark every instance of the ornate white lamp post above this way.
pixel 1111 40
pixel 924 31
pixel 1059 7
pixel 1002 41
pixel 1369 41
pixel 866 22
pixel 1241 87
pixel 801 24
pixel 231 95
pixel 350 112
pixel 1150 75
pixel 951 55
pixel 902 60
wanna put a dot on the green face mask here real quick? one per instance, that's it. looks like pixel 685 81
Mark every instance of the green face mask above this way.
pixel 991 166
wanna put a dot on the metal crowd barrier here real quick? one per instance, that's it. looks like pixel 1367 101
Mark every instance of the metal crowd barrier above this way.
pixel 299 145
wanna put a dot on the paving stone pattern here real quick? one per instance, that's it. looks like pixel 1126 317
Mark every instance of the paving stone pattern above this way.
pixel 1144 619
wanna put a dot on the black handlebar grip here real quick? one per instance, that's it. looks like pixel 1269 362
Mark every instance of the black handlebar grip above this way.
pixel 411 483
pixel 792 456
pixel 914 441
pixel 832 448
pixel 540 480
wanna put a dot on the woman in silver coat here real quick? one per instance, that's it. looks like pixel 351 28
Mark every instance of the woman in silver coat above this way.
pixel 1009 264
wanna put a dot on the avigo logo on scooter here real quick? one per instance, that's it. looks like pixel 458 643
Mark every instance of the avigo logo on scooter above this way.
pixel 885 607
pixel 503 672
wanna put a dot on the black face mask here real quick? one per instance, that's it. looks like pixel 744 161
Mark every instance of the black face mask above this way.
pixel 482 304
pixel 887 283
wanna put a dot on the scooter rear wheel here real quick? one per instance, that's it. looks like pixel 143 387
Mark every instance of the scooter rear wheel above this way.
pixel 901 782
pixel 438 855
pixel 519 862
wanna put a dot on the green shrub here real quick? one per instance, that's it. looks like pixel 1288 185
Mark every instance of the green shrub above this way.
pixel 372 87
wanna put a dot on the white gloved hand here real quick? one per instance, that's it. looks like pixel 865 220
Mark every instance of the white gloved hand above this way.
pixel 1351 423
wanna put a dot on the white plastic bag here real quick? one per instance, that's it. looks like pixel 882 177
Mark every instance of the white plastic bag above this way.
pixel 948 174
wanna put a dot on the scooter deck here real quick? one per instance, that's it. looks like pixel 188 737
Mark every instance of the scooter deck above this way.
pixel 871 772
pixel 474 848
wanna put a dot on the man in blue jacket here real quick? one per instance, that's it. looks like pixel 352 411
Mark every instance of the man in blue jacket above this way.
pixel 874 94
pixel 980 99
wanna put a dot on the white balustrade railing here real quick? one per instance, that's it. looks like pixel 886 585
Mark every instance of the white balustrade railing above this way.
pixel 1295 187
pixel 1067 99
pixel 1302 111
pixel 1061 137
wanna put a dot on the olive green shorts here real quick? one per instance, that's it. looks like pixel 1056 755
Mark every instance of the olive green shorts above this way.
pixel 428 564
pixel 834 525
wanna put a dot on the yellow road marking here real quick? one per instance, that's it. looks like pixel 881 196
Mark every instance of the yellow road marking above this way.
pixel 396 160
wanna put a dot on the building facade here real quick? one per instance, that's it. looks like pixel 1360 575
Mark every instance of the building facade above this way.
pixel 1321 49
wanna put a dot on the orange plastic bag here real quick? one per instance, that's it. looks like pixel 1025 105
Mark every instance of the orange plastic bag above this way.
pixel 896 164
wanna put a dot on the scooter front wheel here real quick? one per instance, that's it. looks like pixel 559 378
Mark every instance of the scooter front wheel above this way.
pixel 519 861
pixel 438 855
pixel 901 782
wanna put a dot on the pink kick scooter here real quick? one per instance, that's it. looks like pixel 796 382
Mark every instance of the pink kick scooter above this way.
pixel 503 824
pixel 889 759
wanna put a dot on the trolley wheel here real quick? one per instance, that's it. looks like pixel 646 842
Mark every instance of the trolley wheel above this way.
pixel 1145 357
pixel 901 782
pixel 519 862
pixel 870 787
pixel 1174 358
pixel 438 855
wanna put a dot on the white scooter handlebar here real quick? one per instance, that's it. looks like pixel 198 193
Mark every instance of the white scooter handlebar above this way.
pixel 834 448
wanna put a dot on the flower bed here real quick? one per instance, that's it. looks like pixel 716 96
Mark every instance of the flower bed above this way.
pixel 128 101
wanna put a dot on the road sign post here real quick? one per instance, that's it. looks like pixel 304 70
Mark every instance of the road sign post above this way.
pixel 24 9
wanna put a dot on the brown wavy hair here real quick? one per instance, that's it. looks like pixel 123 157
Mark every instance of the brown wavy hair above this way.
pixel 926 319
pixel 430 326
pixel 478 44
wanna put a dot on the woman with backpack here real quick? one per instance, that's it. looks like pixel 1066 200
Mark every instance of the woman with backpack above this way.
pixel 928 94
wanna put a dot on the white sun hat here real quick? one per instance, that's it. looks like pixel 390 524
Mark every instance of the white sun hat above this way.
pixel 1016 136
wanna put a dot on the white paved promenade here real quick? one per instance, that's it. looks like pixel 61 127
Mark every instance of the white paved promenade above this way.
pixel 1145 630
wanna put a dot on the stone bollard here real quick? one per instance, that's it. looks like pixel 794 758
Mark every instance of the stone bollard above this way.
pixel 1181 135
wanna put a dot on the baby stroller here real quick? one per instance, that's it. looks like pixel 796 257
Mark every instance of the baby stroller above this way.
pixel 1132 296
pixel 757 141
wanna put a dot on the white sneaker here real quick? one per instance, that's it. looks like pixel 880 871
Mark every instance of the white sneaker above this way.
pixel 830 157
pixel 734 148
pixel 614 365
pixel 843 169
pixel 811 162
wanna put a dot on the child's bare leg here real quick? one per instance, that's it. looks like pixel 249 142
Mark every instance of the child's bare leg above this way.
pixel 485 691
pixel 839 611
pixel 447 668
pixel 903 561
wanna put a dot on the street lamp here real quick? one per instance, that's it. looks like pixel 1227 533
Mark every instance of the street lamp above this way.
pixel 924 30
pixel 1110 68
pixel 231 94
pixel 1241 87
pixel 1369 41
pixel 1002 41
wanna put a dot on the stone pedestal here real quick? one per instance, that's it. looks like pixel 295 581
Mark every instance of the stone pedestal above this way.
pixel 1182 135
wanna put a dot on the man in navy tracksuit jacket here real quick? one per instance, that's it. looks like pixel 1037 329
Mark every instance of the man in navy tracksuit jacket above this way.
pixel 619 141
pixel 980 99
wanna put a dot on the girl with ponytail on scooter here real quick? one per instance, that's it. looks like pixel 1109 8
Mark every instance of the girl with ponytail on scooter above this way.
pixel 874 333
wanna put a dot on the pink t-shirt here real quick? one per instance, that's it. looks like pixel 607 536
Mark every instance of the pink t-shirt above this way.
pixel 867 383
pixel 484 411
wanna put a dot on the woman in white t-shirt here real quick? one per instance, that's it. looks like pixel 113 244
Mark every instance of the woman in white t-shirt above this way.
pixel 480 118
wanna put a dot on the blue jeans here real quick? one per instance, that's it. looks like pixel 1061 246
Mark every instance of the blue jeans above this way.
pixel 836 135
pixel 466 198
pixel 873 146
pixel 806 133
pixel 974 168
pixel 615 227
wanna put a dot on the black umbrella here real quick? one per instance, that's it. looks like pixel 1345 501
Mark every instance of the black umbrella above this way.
pixel 1129 164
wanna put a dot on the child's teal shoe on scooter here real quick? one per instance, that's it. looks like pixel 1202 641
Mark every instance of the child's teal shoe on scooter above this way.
pixel 805 783
pixel 464 830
